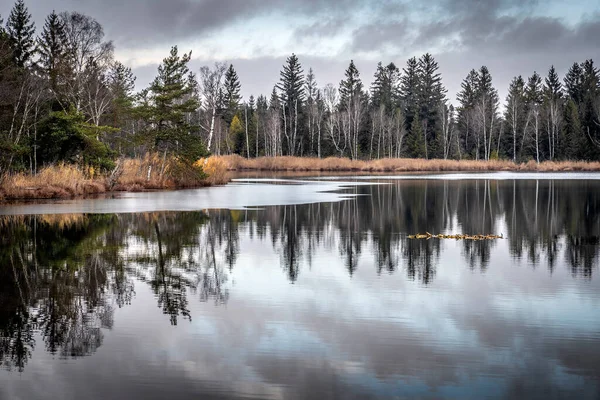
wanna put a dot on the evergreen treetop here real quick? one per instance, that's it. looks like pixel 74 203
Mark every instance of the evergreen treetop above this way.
pixel 21 31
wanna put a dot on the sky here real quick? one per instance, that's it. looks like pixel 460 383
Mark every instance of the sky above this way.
pixel 510 37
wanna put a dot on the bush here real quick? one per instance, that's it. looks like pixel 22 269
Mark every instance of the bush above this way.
pixel 65 137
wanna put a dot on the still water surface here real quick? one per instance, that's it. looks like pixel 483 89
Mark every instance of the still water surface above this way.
pixel 312 291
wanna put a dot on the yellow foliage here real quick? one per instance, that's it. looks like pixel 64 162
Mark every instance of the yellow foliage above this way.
pixel 236 126
pixel 215 168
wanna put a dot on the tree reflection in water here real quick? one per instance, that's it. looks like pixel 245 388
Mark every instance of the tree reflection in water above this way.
pixel 61 277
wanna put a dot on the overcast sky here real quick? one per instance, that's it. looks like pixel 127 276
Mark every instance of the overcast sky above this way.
pixel 511 37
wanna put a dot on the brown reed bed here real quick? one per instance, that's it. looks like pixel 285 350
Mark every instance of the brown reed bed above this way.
pixel 151 172
pixel 395 165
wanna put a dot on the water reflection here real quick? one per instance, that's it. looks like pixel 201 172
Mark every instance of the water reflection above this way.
pixel 63 277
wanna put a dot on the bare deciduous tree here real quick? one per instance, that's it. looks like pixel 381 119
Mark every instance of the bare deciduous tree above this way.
pixel 211 83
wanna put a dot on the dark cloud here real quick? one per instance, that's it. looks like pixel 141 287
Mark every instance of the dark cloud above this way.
pixel 511 37
pixel 156 21
pixel 375 36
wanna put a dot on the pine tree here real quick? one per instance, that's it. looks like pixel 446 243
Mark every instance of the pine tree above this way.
pixel 291 89
pixel 52 48
pixel 21 31
pixel 231 94
pixel 172 100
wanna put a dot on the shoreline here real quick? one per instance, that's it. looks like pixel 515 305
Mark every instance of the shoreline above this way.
pixel 150 174
pixel 69 183
pixel 397 165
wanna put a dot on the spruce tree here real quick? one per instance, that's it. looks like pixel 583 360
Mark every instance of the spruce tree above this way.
pixel 351 87
pixel 353 102
pixel 553 103
pixel 231 93
pixel 121 83
pixel 570 143
pixel 52 48
pixel 21 31
pixel 533 90
pixel 378 87
pixel 236 134
pixel 574 83
pixel 291 89
pixel 533 100
pixel 274 103
pixel 553 86
pixel 385 87
pixel 431 94
pixel 409 90
pixel 467 94
pixel 486 98
pixel 312 93
pixel 589 110
pixel 417 138
pixel 514 114
pixel 311 86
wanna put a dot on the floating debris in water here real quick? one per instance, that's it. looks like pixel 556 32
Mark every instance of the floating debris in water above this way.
pixel 428 236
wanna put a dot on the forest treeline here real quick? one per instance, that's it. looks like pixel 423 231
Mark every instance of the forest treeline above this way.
pixel 64 97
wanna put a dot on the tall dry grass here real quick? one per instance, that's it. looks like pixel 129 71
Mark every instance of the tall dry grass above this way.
pixel 155 172
pixel 215 168
pixel 56 181
pixel 335 164
pixel 152 172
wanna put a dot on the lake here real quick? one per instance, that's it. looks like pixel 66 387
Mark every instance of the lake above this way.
pixel 307 288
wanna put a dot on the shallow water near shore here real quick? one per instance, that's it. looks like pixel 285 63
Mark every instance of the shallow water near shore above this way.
pixel 307 288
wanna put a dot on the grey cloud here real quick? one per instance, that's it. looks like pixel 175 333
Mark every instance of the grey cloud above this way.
pixel 326 27
pixel 506 35
pixel 374 36
pixel 137 22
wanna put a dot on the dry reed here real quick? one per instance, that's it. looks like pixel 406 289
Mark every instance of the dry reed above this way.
pixel 56 181
pixel 334 164
pixel 152 172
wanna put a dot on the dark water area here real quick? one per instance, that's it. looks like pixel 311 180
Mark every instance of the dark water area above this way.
pixel 321 297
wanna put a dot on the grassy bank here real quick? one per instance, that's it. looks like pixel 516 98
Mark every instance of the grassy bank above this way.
pixel 136 175
pixel 333 164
